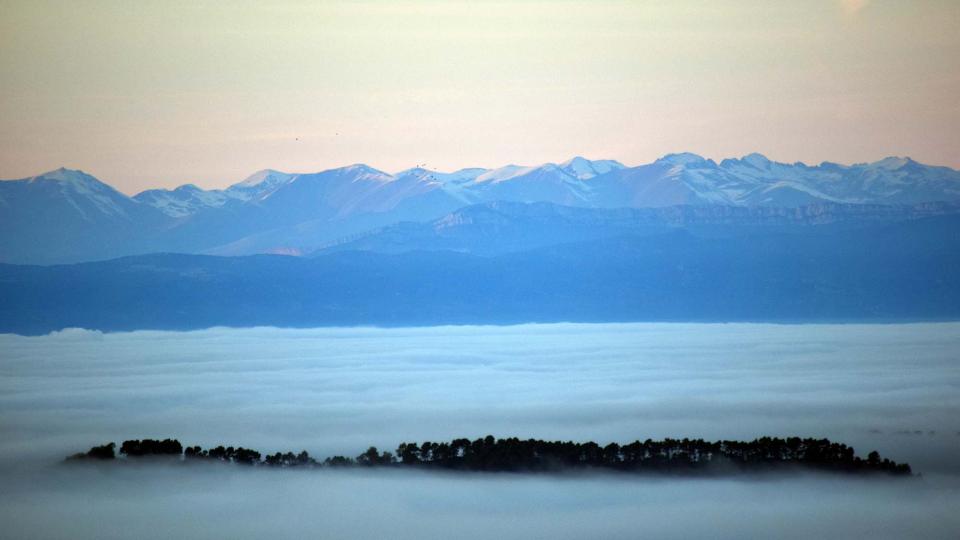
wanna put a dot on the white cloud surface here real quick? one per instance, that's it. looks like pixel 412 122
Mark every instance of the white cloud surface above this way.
pixel 340 390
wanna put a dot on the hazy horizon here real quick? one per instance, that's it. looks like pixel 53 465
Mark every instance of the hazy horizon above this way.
pixel 173 93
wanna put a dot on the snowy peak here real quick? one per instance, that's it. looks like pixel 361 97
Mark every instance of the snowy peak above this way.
pixel 683 158
pixel 457 177
pixel 260 184
pixel 893 163
pixel 74 179
pixel 356 173
pixel 503 173
pixel 68 191
pixel 584 169
pixel 414 171
pixel 758 161
pixel 78 184
pixel 63 175
pixel 362 170
pixel 577 163
pixel 578 168
pixel 264 178
pixel 184 200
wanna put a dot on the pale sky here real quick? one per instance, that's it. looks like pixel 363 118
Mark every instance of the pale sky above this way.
pixel 157 94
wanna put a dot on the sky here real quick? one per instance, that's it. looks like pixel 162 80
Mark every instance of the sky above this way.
pixel 157 94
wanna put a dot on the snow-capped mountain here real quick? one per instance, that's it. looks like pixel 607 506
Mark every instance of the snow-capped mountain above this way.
pixel 75 194
pixel 675 179
pixel 584 169
pixel 185 200
pixel 68 215
pixel 259 184
pixel 754 180
pixel 189 199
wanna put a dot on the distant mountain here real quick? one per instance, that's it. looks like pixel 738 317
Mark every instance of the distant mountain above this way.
pixel 502 227
pixel 68 216
pixel 185 200
pixel 680 179
pixel 904 271
pixel 259 184
pixel 188 199
pixel 584 169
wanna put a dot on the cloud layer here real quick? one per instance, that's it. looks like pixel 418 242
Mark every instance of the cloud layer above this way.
pixel 890 388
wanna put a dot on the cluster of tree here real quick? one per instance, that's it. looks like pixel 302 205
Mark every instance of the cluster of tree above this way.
pixel 668 455
pixel 150 447
pixel 241 455
pixel 513 454
pixel 133 448
pixel 97 452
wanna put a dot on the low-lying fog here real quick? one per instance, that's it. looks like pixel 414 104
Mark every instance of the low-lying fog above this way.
pixel 893 388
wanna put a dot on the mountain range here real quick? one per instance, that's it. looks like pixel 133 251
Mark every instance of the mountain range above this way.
pixel 877 272
pixel 682 238
pixel 67 216
pixel 497 228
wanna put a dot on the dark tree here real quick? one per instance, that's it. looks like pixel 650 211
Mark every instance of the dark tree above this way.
pixel 675 456
pixel 150 447
pixel 369 458
pixel 104 452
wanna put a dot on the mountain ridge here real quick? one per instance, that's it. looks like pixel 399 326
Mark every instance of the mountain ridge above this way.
pixel 501 227
pixel 904 271
pixel 273 211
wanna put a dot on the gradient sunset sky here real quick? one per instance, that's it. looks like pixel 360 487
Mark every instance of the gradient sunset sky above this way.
pixel 157 94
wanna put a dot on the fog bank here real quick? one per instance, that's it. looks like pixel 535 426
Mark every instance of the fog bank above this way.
pixel 229 502
pixel 893 388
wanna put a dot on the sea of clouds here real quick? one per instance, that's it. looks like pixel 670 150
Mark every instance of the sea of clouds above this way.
pixel 892 388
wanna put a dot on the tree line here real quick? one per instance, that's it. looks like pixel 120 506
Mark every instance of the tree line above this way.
pixel 533 455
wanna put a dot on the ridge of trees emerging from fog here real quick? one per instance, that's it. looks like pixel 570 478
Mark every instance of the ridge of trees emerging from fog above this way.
pixel 532 455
